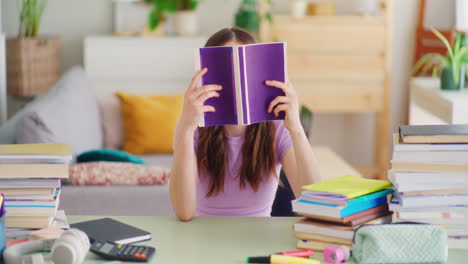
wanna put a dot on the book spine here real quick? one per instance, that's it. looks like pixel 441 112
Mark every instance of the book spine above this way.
pixel 237 66
pixel 246 89
pixel 286 77
pixel 198 64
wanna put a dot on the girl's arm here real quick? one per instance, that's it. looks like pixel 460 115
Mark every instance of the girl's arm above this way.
pixel 299 162
pixel 184 173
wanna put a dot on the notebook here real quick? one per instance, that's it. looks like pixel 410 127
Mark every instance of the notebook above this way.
pixel 108 229
pixel 434 134
pixel 334 211
pixel 242 72
pixel 345 187
pixel 354 219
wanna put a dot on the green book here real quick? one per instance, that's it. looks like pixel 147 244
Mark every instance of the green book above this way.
pixel 346 187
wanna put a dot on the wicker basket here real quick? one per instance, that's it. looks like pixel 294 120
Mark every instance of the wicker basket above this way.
pixel 32 65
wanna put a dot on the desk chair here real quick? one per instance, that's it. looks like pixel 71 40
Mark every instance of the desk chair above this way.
pixel 284 195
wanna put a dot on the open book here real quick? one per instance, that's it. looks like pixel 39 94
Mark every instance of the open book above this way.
pixel 242 72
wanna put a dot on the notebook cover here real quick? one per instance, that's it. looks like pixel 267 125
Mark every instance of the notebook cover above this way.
pixel 263 62
pixel 308 236
pixel 357 218
pixel 433 130
pixel 441 133
pixel 349 210
pixel 219 61
pixel 108 229
pixel 347 187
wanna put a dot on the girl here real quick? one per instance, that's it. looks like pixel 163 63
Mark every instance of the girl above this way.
pixel 233 170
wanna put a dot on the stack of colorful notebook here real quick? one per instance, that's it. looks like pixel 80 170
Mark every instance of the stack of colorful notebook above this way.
pixel 30 177
pixel 336 207
pixel 430 175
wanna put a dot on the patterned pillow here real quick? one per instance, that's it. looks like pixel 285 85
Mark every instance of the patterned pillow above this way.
pixel 116 173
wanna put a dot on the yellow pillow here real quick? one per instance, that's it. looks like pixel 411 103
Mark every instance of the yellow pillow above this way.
pixel 149 122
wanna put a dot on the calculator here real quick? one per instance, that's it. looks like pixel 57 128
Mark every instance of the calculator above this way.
pixel 113 251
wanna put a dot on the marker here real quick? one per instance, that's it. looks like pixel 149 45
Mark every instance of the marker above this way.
pixel 281 259
pixel 305 253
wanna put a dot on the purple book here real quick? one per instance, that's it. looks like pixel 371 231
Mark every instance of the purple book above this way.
pixel 242 71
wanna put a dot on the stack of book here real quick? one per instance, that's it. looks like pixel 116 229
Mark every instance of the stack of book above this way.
pixel 430 175
pixel 30 177
pixel 336 207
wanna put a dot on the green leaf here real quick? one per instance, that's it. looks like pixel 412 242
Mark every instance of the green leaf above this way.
pixel 153 20
pixel 192 5
pixel 269 17
pixel 444 40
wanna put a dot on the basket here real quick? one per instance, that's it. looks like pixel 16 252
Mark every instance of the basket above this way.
pixel 32 65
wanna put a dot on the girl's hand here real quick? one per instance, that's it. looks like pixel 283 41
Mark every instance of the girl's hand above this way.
pixel 287 103
pixel 194 97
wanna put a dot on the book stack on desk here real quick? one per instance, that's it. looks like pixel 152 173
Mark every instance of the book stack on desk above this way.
pixel 430 175
pixel 30 177
pixel 336 207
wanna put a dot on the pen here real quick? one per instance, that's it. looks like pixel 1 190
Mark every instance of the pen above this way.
pixel 281 259
pixel 305 253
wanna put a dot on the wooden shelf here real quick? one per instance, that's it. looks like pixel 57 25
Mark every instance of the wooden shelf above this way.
pixel 341 64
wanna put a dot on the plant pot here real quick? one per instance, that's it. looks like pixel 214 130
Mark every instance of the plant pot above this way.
pixel 33 65
pixel 157 32
pixel 186 23
pixel 298 8
pixel 447 81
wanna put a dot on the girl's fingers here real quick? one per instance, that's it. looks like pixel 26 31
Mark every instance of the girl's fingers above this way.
pixel 277 100
pixel 279 108
pixel 277 84
pixel 208 108
pixel 205 88
pixel 203 97
pixel 196 78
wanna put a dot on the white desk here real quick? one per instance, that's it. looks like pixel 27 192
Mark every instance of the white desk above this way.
pixel 431 105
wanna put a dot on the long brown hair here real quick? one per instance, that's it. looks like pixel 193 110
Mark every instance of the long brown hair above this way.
pixel 258 150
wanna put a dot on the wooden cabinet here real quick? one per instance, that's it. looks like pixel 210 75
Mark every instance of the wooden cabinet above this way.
pixel 341 64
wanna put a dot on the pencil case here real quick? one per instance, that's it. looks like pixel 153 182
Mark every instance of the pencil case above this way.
pixel 404 242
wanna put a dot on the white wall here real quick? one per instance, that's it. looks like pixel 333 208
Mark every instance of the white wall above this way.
pixel 347 134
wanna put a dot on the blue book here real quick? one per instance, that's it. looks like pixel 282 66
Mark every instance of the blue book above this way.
pixel 336 211
pixel 370 196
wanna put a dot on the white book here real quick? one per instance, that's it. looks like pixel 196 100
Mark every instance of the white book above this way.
pixel 457 243
pixel 395 206
pixel 432 200
pixel 30 183
pixel 427 177
pixel 324 231
pixel 428 186
pixel 397 147
pixel 31 211
pixel 445 213
pixel 432 157
pixel 315 209
pixel 436 221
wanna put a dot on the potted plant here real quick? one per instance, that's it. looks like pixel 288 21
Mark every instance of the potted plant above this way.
pixel 33 60
pixel 158 16
pixel 451 67
pixel 186 18
pixel 249 18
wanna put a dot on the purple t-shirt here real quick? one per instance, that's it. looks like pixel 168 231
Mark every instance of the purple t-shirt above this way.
pixel 235 201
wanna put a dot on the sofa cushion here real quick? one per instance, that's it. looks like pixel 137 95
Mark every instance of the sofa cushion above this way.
pixel 69 114
pixel 116 173
pixel 108 155
pixel 112 124
pixel 149 122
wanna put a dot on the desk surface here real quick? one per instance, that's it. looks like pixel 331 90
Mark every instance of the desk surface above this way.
pixel 219 239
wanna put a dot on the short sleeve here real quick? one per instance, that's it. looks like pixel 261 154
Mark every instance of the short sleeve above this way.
pixel 283 140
